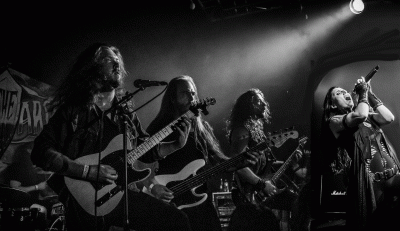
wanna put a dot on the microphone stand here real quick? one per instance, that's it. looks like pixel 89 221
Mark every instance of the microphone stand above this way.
pixel 124 99
pixel 125 143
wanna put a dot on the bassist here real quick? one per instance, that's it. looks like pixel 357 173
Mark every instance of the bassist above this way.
pixel 201 145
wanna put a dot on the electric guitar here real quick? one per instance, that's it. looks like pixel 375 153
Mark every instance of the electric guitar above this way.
pixel 108 196
pixel 260 197
pixel 184 183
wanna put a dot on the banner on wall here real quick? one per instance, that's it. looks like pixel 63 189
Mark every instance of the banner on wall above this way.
pixel 23 112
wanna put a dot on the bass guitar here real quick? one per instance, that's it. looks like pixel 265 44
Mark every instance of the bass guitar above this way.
pixel 184 183
pixel 108 196
pixel 260 197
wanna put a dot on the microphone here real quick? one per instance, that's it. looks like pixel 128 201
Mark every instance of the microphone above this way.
pixel 369 76
pixel 371 73
pixel 139 83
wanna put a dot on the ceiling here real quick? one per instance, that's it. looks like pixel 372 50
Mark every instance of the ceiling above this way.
pixel 223 9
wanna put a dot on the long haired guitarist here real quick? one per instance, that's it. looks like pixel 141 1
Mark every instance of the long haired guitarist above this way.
pixel 88 158
pixel 245 129
pixel 201 150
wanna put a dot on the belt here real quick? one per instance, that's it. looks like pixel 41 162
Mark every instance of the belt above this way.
pixel 385 175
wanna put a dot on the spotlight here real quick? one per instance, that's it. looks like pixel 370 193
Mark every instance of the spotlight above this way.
pixel 356 6
pixel 192 5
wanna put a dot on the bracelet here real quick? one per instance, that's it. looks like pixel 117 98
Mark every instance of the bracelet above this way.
pixel 85 171
pixel 36 187
pixel 151 187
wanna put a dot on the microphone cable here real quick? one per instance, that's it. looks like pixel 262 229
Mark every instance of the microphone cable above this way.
pixel 151 99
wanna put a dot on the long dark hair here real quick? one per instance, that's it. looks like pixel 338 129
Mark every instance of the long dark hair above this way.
pixel 336 158
pixel 82 82
pixel 328 111
pixel 202 129
pixel 243 113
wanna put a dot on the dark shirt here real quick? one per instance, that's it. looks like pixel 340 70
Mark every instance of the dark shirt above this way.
pixel 262 168
pixel 66 134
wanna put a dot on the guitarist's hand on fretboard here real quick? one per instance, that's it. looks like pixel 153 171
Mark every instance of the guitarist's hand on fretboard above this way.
pixel 107 174
pixel 183 127
pixel 297 156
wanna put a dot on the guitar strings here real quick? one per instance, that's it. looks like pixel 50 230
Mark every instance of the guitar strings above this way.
pixel 198 179
pixel 194 181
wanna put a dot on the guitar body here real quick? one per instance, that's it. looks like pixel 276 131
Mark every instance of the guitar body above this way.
pixel 258 197
pixel 188 198
pixel 250 195
pixel 108 196
pixel 283 198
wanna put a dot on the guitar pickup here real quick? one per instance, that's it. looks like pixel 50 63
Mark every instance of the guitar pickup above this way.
pixel 108 195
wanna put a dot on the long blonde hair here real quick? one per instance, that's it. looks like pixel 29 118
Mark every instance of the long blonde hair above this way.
pixel 202 129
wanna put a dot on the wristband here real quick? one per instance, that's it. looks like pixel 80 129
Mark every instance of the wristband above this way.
pixel 375 101
pixel 151 187
pixel 36 187
pixel 85 171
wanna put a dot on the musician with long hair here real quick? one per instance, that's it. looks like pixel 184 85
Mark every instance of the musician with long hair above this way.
pixel 361 152
pixel 245 129
pixel 80 133
pixel 202 146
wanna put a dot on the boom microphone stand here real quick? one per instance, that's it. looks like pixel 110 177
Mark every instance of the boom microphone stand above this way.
pixel 115 106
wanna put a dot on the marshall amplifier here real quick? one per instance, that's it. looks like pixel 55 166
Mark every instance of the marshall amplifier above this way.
pixel 333 193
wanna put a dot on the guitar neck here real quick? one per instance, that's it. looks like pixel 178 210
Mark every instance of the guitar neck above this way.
pixel 154 140
pixel 283 168
pixel 285 165
pixel 207 174
pixel 199 179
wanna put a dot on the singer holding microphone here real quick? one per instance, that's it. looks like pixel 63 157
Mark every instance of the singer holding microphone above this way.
pixel 356 145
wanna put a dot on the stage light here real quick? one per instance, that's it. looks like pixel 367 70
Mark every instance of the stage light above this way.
pixel 356 6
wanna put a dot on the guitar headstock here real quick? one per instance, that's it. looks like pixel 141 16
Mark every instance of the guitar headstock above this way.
pixel 280 137
pixel 202 105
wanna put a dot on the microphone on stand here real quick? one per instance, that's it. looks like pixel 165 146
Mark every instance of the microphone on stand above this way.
pixel 369 76
pixel 139 83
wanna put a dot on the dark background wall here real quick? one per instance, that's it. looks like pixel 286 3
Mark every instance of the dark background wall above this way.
pixel 284 52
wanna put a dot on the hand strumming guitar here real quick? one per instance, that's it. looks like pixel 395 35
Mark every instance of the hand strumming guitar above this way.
pixel 161 192
pixel 269 188
pixel 107 174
